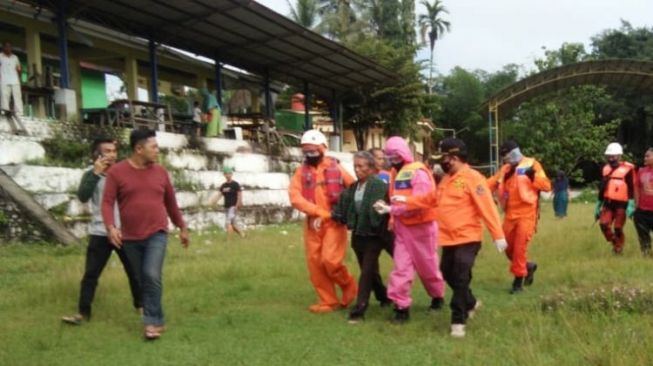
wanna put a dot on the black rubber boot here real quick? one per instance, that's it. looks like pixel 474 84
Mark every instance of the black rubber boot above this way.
pixel 517 285
pixel 531 267
pixel 401 315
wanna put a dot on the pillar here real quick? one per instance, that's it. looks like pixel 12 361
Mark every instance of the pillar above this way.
pixel 154 73
pixel 35 66
pixel 131 77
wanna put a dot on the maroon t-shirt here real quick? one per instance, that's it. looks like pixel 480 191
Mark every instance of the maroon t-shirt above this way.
pixel 645 182
pixel 145 200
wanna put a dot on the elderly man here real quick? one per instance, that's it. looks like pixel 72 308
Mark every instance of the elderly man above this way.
pixel 314 189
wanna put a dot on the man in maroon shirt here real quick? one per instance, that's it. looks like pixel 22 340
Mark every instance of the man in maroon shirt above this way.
pixel 146 199
pixel 644 200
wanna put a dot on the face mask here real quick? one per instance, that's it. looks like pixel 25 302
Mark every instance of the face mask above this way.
pixel 514 156
pixel 446 166
pixel 398 166
pixel 614 163
pixel 312 158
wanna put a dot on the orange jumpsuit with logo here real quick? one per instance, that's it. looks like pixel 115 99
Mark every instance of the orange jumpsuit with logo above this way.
pixel 518 192
pixel 326 247
pixel 618 188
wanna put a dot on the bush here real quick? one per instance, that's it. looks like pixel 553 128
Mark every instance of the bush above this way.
pixel 70 143
pixel 603 300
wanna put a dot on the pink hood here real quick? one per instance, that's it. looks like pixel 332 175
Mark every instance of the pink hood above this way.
pixel 396 145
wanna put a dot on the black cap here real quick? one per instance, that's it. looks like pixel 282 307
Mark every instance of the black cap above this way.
pixel 452 146
pixel 507 147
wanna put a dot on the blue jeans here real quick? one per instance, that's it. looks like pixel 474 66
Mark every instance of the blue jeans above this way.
pixel 146 258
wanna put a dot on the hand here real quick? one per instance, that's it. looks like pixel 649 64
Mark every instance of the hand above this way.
pixel 381 207
pixel 316 223
pixel 337 217
pixel 501 245
pixel 630 209
pixel 184 236
pixel 398 199
pixel 115 237
pixel 597 209
pixel 100 165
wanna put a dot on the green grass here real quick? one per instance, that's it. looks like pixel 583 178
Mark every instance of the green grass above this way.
pixel 243 302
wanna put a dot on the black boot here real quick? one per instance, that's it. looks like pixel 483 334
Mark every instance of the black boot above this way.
pixel 401 315
pixel 531 267
pixel 517 285
pixel 436 304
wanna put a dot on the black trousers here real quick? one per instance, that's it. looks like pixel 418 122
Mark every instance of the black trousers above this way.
pixel 644 225
pixel 97 255
pixel 368 249
pixel 456 266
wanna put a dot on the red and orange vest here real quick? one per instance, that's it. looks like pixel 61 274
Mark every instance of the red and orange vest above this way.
pixel 332 180
pixel 617 188
pixel 401 185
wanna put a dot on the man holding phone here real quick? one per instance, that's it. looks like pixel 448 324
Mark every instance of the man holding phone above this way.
pixel 99 248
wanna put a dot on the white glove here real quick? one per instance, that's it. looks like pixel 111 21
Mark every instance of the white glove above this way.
pixel 381 207
pixel 317 223
pixel 501 245
pixel 398 199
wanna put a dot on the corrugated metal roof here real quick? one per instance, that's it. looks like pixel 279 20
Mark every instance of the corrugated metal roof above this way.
pixel 242 33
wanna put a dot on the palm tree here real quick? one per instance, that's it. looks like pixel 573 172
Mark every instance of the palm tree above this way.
pixel 432 23
pixel 304 13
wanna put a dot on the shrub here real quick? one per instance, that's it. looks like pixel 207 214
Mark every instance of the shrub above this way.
pixel 602 300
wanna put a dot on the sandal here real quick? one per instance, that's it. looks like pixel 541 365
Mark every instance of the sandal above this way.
pixel 152 333
pixel 73 319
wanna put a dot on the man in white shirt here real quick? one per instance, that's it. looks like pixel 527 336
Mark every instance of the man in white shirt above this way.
pixel 10 79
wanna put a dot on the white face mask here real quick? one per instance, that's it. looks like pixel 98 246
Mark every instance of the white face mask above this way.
pixel 514 156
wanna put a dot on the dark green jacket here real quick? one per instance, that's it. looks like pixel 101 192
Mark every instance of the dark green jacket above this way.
pixel 368 222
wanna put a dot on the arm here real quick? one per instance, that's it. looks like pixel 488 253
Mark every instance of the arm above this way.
pixel 422 201
pixel 87 186
pixel 239 201
pixel 215 197
pixel 109 201
pixel 299 202
pixel 170 202
pixel 482 198
pixel 540 181
pixel 631 182
pixel 422 185
pixel 493 181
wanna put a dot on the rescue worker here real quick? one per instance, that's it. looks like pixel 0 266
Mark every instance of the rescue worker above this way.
pixel 616 197
pixel 462 200
pixel 314 189
pixel 644 198
pixel 518 185
pixel 415 246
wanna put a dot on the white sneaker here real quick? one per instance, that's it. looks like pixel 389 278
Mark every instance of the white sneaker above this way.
pixel 472 313
pixel 458 330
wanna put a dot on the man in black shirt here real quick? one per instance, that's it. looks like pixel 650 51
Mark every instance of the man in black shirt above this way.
pixel 233 200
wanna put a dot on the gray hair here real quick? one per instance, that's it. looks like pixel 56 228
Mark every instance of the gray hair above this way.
pixel 365 155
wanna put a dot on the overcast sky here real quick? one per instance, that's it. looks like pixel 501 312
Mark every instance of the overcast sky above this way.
pixel 489 34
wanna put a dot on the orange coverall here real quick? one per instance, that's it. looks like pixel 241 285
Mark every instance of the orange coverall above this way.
pixel 521 216
pixel 326 247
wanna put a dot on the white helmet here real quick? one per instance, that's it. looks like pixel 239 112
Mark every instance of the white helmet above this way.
pixel 314 137
pixel 614 149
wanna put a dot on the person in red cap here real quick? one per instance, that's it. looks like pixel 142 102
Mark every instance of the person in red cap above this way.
pixel 518 185
pixel 314 189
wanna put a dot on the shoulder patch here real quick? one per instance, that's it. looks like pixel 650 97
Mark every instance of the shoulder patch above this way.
pixel 480 190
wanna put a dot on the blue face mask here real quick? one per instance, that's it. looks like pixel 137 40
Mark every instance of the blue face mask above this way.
pixel 514 156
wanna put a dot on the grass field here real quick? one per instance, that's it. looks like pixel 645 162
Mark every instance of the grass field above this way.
pixel 243 302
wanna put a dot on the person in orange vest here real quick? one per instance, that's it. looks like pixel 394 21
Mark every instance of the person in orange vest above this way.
pixel 463 200
pixel 616 197
pixel 518 185
pixel 314 189
pixel 415 246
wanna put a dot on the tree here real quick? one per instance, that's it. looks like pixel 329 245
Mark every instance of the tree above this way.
pixel 563 129
pixel 433 23
pixel 304 13
pixel 567 54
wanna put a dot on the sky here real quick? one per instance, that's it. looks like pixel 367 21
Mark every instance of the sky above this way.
pixel 490 34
